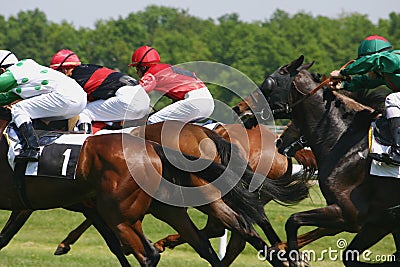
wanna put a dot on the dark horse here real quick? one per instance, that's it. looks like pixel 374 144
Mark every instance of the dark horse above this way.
pixel 336 128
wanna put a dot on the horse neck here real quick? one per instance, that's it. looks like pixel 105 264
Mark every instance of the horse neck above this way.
pixel 327 125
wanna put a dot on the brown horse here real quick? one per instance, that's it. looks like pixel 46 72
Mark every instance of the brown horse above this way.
pixel 336 128
pixel 110 173
pixel 255 144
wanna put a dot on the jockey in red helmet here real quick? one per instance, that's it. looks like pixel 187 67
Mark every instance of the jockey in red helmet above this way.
pixel 112 95
pixel 377 64
pixel 192 99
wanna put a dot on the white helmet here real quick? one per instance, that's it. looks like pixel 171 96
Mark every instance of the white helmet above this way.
pixel 7 58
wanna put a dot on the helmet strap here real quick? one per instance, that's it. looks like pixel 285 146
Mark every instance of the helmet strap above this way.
pixel 4 59
pixel 65 59
pixel 144 55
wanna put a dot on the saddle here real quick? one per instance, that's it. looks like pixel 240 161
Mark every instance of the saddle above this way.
pixel 381 132
pixel 59 152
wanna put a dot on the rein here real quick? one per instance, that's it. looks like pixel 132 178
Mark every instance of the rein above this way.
pixel 288 108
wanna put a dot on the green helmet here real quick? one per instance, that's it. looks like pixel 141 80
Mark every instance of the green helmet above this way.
pixel 373 44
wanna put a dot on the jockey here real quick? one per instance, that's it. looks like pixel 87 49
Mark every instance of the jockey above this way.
pixel 111 95
pixel 192 100
pixel 377 64
pixel 45 93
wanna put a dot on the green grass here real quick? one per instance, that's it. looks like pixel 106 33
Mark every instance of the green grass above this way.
pixel 35 243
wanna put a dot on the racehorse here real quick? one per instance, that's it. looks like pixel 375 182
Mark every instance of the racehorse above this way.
pixel 110 173
pixel 255 144
pixel 336 128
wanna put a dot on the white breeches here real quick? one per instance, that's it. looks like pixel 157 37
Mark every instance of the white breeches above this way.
pixel 129 103
pixel 392 104
pixel 198 104
pixel 52 106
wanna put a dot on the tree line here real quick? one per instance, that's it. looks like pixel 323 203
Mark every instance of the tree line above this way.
pixel 254 48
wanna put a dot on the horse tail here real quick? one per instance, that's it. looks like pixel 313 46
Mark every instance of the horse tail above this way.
pixel 287 190
pixel 229 154
pixel 239 198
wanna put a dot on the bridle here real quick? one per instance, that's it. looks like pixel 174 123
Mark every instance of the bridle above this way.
pixel 287 109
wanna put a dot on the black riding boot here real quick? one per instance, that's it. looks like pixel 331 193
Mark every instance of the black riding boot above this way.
pixel 85 128
pixel 394 153
pixel 30 149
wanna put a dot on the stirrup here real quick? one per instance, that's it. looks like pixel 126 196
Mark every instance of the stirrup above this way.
pixel 85 128
pixel 386 158
pixel 31 155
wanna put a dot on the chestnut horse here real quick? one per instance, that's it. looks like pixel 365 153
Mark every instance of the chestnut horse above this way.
pixel 110 173
pixel 255 144
pixel 336 128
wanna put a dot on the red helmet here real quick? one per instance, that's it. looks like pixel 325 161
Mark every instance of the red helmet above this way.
pixel 144 56
pixel 64 58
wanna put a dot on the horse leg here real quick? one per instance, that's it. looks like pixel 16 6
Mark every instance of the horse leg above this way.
pixel 396 237
pixel 125 222
pixel 369 235
pixel 235 223
pixel 269 232
pixel 235 245
pixel 108 235
pixel 213 229
pixel 15 222
pixel 326 217
pixel 178 219
pixel 65 246
pixel 311 236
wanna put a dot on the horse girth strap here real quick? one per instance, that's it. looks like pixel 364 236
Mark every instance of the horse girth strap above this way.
pixel 19 174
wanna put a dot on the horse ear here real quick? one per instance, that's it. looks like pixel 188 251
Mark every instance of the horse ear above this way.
pixel 294 65
pixel 306 66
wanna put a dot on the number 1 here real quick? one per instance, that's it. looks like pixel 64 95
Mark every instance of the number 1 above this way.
pixel 66 155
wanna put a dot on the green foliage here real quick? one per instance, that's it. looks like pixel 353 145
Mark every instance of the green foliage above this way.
pixel 254 48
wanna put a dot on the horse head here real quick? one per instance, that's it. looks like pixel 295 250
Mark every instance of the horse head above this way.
pixel 280 80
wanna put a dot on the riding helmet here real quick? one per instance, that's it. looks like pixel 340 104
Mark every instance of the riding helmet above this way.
pixel 64 58
pixel 7 58
pixel 373 44
pixel 144 56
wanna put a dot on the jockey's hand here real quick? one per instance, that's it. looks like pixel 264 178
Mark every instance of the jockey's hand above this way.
pixel 335 84
pixel 336 74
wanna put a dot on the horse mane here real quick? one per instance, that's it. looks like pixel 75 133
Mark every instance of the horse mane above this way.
pixel 351 103
pixel 359 100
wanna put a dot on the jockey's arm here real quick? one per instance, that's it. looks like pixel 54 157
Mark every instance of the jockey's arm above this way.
pixel 7 83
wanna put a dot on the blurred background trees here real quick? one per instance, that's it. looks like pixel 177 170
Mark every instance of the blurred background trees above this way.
pixel 254 48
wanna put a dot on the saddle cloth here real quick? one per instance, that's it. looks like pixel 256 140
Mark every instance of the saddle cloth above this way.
pixel 59 154
pixel 380 168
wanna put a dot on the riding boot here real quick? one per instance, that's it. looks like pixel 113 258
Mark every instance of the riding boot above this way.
pixel 85 128
pixel 394 152
pixel 393 157
pixel 30 150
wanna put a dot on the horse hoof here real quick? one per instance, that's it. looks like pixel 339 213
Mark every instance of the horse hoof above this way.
pixel 159 246
pixel 301 263
pixel 61 250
